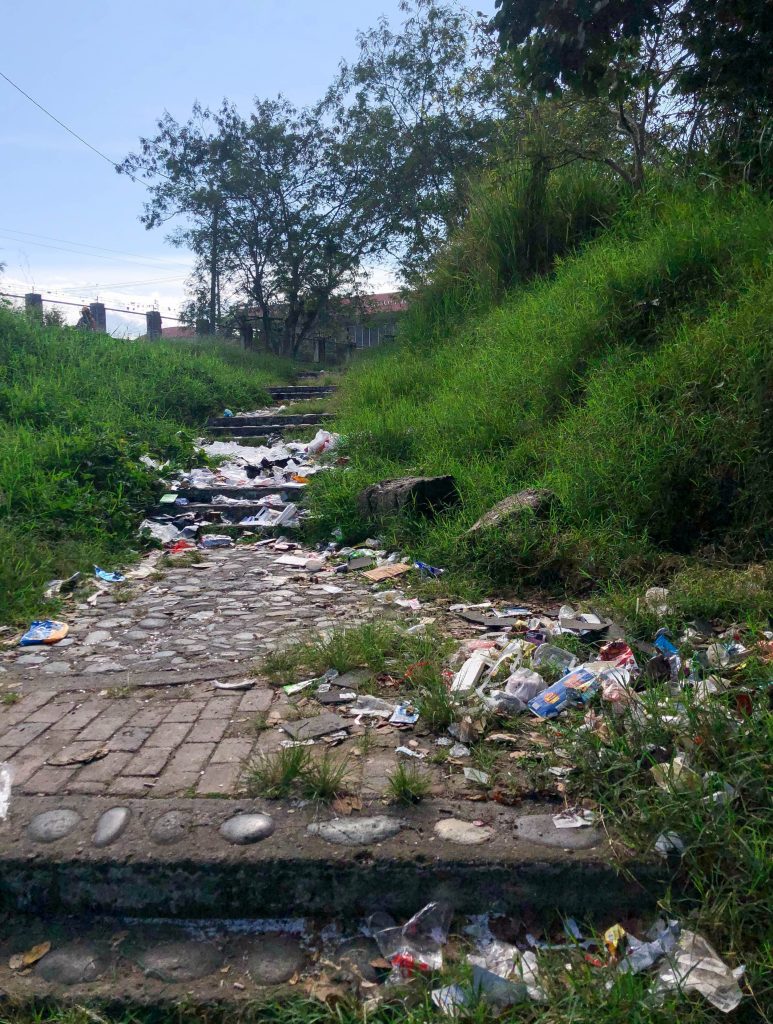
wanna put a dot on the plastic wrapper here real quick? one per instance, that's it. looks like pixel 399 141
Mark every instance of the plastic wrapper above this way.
pixel 417 946
pixel 575 688
pixel 323 441
pixel 108 577
pixel 640 954
pixel 165 533
pixel 565 660
pixel 44 631
pixel 693 965
pixel 524 684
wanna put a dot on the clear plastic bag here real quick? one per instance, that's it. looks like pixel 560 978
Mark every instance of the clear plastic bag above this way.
pixel 695 966
pixel 417 946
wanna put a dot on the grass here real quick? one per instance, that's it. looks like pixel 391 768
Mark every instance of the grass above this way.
pixel 633 382
pixel 275 775
pixel 9 698
pixel 325 777
pixel 408 785
pixel 76 414
pixel 377 646
pixel 294 769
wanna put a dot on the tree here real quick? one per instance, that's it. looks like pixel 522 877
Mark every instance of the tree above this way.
pixel 296 218
pixel 701 62
pixel 417 120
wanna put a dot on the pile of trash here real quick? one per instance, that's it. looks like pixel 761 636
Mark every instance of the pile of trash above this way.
pixel 504 974
pixel 244 468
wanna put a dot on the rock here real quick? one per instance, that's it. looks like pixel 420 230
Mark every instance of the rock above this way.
pixel 311 728
pixel 424 494
pixel 354 957
pixel 49 826
pixel 540 829
pixel 170 828
pixel 355 831
pixel 537 499
pixel 72 964
pixel 97 637
pixel 274 959
pixel 179 960
pixel 111 825
pixel 243 829
pixel 463 832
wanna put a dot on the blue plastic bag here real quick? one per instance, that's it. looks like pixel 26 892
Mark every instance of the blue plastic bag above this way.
pixel 44 631
pixel 108 577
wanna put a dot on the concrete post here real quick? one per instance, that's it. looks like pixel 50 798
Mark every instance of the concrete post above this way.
pixel 153 320
pixel 100 319
pixel 33 303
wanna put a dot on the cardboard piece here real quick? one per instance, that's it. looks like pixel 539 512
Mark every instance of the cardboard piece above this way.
pixel 386 572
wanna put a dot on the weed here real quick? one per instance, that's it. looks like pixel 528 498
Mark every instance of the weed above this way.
pixel 434 701
pixel 260 723
pixel 181 561
pixel 274 775
pixel 9 698
pixel 119 692
pixel 123 594
pixel 324 778
pixel 407 784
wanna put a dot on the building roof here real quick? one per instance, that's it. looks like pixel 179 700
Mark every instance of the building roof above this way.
pixel 178 332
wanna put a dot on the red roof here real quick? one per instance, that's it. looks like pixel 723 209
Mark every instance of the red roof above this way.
pixel 178 332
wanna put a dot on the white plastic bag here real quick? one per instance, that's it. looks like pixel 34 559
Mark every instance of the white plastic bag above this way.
pixel 6 777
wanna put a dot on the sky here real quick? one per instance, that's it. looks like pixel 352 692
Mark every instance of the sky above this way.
pixel 69 224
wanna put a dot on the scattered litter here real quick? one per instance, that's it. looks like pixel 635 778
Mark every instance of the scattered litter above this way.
pixel 6 778
pixel 292 688
pixel 240 684
pixel 420 755
pixel 475 775
pixel 669 843
pixel 19 961
pixel 417 947
pixel 44 631
pixel 450 999
pixel 404 714
pixel 313 728
pixel 467 677
pixel 165 533
pixel 56 587
pixel 215 540
pixel 695 966
pixel 108 577
pixel 557 656
pixel 428 570
pixel 574 817
pixel 575 688
pixel 386 572
pixel 459 750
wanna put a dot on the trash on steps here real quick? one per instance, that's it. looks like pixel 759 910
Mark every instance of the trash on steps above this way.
pixel 108 577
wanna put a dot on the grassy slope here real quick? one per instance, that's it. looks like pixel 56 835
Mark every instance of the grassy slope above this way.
pixel 633 382
pixel 76 413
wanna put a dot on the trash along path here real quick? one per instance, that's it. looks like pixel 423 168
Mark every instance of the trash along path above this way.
pixel 375 748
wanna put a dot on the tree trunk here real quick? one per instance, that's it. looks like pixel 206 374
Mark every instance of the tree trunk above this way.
pixel 213 281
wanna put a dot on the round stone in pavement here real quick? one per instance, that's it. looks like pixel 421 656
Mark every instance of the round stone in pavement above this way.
pixel 247 828
pixel 49 826
pixel 356 831
pixel 274 959
pixel 453 830
pixel 170 828
pixel 111 825
pixel 179 960
pixel 354 957
pixel 539 828
pixel 72 964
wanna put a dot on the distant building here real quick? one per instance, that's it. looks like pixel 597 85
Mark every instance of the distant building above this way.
pixel 178 332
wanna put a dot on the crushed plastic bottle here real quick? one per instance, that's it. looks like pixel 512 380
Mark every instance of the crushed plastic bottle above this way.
pixel 417 946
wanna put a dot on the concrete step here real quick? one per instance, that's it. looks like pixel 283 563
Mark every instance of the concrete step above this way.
pixel 270 421
pixel 226 858
pixel 205 494
pixel 298 391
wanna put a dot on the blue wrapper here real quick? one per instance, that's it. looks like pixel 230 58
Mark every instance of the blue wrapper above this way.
pixel 576 687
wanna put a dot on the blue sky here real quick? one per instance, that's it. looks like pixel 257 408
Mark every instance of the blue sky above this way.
pixel 108 69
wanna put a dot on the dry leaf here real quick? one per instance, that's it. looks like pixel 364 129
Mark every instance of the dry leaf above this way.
pixel 379 963
pixel 20 960
pixel 325 991
pixel 503 737
pixel 344 805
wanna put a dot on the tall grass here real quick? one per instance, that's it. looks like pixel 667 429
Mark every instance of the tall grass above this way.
pixel 634 380
pixel 76 413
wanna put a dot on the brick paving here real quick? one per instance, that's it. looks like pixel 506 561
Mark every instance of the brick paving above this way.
pixel 112 683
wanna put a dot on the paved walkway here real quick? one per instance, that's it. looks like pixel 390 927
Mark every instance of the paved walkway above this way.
pixel 138 677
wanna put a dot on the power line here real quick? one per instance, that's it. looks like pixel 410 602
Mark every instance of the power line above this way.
pixel 101 248
pixel 77 252
pixel 109 309
pixel 61 124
